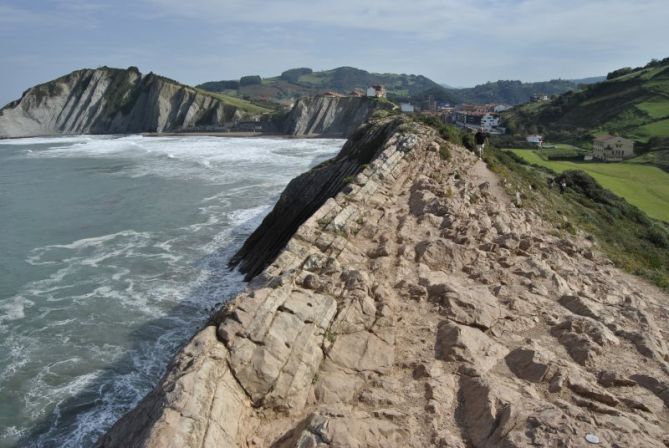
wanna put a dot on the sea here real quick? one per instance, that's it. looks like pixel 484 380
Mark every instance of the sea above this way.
pixel 113 252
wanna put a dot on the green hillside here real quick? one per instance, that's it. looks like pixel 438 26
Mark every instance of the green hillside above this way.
pixel 632 102
pixel 517 92
pixel 646 187
pixel 299 82
pixel 631 239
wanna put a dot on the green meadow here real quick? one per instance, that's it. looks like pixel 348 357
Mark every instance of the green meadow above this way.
pixel 646 187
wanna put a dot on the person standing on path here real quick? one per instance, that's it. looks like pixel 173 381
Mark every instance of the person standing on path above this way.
pixel 480 139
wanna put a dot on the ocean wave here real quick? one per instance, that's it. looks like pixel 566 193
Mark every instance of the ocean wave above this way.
pixel 84 341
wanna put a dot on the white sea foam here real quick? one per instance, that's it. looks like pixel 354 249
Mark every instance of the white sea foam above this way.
pixel 30 141
pixel 110 310
pixel 14 309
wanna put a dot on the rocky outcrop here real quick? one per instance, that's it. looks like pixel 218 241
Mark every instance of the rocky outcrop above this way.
pixel 107 101
pixel 418 306
pixel 305 194
pixel 331 116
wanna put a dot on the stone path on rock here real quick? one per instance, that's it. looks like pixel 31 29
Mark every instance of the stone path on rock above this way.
pixel 421 307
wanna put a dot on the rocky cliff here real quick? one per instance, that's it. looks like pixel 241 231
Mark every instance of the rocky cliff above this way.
pixel 112 101
pixel 330 116
pixel 418 306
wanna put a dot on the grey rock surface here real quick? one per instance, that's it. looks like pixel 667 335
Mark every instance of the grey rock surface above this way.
pixel 112 101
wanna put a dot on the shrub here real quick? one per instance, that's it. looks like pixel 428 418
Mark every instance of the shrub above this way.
pixel 293 75
pixel 658 237
pixel 444 152
pixel 250 80
pixel 620 72
pixel 468 141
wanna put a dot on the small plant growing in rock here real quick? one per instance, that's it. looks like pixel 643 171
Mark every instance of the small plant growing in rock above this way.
pixel 348 179
pixel 444 153
pixel 330 336
pixel 323 222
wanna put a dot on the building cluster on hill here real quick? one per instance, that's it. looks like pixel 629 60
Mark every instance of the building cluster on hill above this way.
pixel 479 116
pixel 538 98
pixel 475 117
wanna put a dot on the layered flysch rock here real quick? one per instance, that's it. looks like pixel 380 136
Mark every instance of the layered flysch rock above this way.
pixel 419 307
pixel 107 101
pixel 331 116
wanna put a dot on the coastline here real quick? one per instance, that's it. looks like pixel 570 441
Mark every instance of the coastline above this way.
pixel 238 135
pixel 416 306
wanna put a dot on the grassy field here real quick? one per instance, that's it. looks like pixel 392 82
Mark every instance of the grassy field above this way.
pixel 658 128
pixel 644 186
pixel 656 109
pixel 239 103
pixel 560 150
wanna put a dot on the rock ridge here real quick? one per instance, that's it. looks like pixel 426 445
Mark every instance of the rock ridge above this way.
pixel 112 101
pixel 417 306
pixel 331 116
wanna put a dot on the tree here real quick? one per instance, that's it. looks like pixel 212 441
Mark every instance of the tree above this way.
pixel 250 80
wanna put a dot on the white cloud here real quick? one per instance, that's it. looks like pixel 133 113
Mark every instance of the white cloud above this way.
pixel 451 40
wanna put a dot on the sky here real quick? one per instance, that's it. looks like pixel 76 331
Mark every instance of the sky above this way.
pixel 457 42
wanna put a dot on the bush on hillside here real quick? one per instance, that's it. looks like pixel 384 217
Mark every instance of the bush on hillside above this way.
pixel 615 205
pixel 620 72
pixel 633 241
pixel 446 131
pixel 250 80
pixel 293 75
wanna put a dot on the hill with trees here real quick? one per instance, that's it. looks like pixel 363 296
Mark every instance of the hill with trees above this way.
pixel 299 82
pixel 517 92
pixel 303 81
pixel 632 102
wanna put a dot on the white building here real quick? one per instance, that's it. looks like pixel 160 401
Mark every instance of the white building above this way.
pixel 489 121
pixel 612 148
pixel 407 107
pixel 502 107
pixel 535 139
pixel 377 91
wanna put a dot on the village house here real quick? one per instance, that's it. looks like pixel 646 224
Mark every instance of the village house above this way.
pixel 479 118
pixel 489 122
pixel 407 108
pixel 377 91
pixel 538 98
pixel 535 139
pixel 611 148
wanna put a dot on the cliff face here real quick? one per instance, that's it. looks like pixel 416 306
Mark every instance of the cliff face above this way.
pixel 306 193
pixel 326 116
pixel 111 101
pixel 417 307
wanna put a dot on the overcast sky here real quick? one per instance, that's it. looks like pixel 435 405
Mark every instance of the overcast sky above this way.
pixel 458 42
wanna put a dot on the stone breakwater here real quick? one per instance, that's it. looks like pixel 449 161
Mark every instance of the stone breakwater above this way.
pixel 420 307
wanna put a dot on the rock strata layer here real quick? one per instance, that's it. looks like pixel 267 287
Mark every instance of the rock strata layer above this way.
pixel 112 101
pixel 331 116
pixel 418 307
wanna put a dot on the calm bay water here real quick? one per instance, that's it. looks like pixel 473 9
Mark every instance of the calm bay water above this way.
pixel 113 251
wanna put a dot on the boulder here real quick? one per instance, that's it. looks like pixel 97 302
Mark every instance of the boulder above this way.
pixel 459 343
